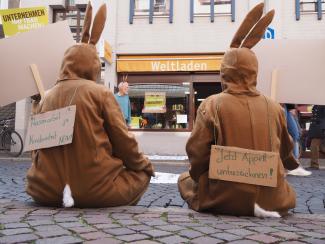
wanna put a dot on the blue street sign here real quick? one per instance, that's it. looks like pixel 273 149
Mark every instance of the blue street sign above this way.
pixel 269 33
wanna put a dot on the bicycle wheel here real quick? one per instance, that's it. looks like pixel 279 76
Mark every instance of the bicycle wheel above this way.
pixel 12 143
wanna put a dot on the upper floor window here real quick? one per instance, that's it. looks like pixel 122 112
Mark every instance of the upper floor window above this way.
pixel 160 7
pixel 310 6
pixel 203 7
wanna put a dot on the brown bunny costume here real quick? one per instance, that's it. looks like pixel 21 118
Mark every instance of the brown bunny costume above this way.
pixel 103 165
pixel 243 114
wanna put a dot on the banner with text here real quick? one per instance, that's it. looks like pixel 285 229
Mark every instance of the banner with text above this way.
pixel 154 102
pixel 244 165
pixel 50 129
pixel 169 63
pixel 23 19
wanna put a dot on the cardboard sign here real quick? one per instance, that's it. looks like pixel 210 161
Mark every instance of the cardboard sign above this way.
pixel 23 19
pixel 50 129
pixel 300 70
pixel 244 165
pixel 44 47
pixel 154 102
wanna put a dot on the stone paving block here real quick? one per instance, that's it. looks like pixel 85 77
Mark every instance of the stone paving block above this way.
pixel 119 231
pixel 61 240
pixel 71 224
pixel 154 222
pixel 128 222
pixel 82 229
pixel 313 241
pixel 206 229
pixel 94 235
pixel 190 234
pixel 40 222
pixel 262 229
pixel 16 225
pixel 48 228
pixel 288 228
pixel 104 241
pixel 18 238
pixel 132 238
pixel 171 228
pixel 8 232
pixel 66 219
pixel 145 242
pixel 286 235
pixel 46 234
pixel 140 227
pixel 223 226
pixel 226 236
pixel 156 233
pixel 263 238
pixel 292 242
pixel 240 232
pixel 173 240
pixel 313 234
pixel 243 242
pixel 98 220
pixel 205 240
pixel 107 226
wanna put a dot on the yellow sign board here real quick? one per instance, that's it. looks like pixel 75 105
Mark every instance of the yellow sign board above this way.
pixel 108 52
pixel 244 165
pixel 169 63
pixel 154 102
pixel 23 19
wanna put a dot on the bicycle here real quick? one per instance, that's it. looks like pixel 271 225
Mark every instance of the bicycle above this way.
pixel 10 141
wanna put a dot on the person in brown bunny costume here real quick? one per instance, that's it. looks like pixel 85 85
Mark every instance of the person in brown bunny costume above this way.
pixel 102 167
pixel 241 117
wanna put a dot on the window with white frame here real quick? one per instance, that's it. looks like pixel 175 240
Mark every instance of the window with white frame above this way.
pixel 203 7
pixel 160 7
pixel 310 6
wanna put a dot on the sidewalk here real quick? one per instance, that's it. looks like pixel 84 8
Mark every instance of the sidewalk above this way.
pixel 160 217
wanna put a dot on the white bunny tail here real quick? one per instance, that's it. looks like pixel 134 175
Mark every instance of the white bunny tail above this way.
pixel 68 201
pixel 262 213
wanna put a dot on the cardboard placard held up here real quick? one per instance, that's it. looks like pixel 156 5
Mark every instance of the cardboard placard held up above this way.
pixel 244 165
pixel 44 47
pixel 300 70
pixel 50 129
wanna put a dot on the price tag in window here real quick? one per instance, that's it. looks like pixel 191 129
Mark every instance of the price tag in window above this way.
pixel 181 118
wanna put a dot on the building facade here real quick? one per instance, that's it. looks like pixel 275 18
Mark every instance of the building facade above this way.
pixel 170 52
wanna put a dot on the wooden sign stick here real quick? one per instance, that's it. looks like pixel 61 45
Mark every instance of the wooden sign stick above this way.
pixel 38 80
pixel 274 84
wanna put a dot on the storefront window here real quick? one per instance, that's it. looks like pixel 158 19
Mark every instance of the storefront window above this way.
pixel 160 7
pixel 159 105
pixel 203 7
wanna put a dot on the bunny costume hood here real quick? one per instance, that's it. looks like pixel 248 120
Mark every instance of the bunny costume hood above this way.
pixel 102 166
pixel 239 117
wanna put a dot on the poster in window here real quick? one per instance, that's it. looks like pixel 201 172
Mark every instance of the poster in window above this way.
pixel 154 102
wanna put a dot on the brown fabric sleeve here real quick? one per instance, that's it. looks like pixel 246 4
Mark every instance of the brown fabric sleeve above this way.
pixel 124 145
pixel 198 146
pixel 286 147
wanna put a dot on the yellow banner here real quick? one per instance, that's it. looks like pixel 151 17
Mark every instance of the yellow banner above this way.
pixel 108 52
pixel 169 63
pixel 154 102
pixel 23 19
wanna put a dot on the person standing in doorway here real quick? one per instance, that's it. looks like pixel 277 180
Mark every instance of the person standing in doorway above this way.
pixel 123 100
pixel 316 134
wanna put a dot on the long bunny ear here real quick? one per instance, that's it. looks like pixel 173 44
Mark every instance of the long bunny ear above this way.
pixel 87 24
pixel 250 20
pixel 98 25
pixel 258 31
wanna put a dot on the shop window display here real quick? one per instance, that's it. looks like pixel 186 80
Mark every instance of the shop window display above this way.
pixel 159 105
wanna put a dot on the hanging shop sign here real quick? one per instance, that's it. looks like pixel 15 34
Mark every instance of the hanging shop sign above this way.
pixel 23 19
pixel 154 102
pixel 169 63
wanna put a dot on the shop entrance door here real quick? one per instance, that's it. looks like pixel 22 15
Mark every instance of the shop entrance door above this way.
pixel 202 90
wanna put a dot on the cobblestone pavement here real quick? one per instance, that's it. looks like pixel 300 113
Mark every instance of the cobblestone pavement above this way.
pixel 160 217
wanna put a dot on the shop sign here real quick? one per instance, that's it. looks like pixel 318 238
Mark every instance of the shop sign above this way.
pixel 169 63
pixel 244 165
pixel 23 19
pixel 154 102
